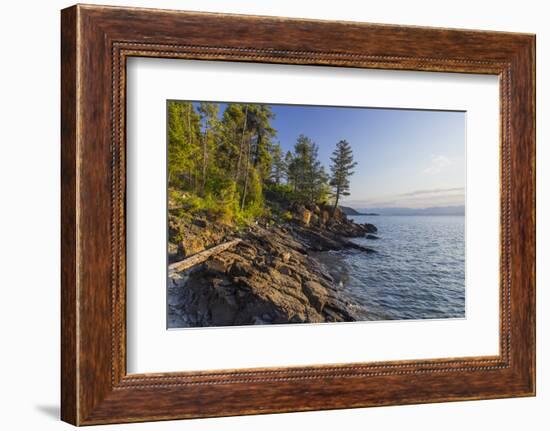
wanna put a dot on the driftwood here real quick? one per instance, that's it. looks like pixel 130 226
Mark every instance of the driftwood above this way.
pixel 201 256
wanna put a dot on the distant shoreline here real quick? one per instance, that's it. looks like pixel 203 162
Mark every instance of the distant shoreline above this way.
pixel 367 214
pixel 403 211
pixel 411 215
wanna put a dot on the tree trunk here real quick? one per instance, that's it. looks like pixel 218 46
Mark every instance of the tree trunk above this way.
pixel 335 202
pixel 246 176
pixel 259 139
pixel 189 132
pixel 242 144
pixel 201 256
pixel 192 179
pixel 204 159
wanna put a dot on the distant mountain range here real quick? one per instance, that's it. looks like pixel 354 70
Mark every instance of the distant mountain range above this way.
pixel 447 210
pixel 351 211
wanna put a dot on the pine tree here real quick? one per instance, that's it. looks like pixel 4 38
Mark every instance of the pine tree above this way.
pixel 242 142
pixel 183 148
pixel 209 117
pixel 226 162
pixel 308 175
pixel 321 187
pixel 259 119
pixel 278 167
pixel 341 169
pixel 257 162
pixel 290 174
pixel 231 140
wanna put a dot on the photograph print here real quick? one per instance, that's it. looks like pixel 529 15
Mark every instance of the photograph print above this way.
pixel 286 214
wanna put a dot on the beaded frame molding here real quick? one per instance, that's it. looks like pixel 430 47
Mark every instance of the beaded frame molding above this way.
pixel 95 43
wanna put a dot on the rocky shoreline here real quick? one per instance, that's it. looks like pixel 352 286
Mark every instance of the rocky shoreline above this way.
pixel 268 277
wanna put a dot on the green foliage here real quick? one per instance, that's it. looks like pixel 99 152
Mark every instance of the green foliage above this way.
pixel 183 144
pixel 287 216
pixel 341 169
pixel 306 174
pixel 211 129
pixel 225 166
pixel 278 164
pixel 255 195
pixel 259 117
pixel 280 193
pixel 230 142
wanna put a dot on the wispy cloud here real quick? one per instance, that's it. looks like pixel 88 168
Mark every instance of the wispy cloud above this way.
pixel 431 191
pixel 437 164
pixel 415 199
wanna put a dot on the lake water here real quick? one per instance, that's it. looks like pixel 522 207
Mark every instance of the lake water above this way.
pixel 418 271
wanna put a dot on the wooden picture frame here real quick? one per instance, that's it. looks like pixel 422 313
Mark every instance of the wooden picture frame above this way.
pixel 95 43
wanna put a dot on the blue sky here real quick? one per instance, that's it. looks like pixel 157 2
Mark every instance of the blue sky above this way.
pixel 405 158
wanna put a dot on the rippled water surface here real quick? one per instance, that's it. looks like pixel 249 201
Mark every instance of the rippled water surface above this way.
pixel 417 272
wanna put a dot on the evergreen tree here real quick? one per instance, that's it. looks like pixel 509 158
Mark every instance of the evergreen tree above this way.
pixel 290 173
pixel 341 169
pixel 257 156
pixel 226 162
pixel 308 175
pixel 231 141
pixel 259 123
pixel 209 117
pixel 183 145
pixel 278 167
pixel 321 187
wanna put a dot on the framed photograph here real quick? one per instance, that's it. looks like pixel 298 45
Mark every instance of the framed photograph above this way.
pixel 266 215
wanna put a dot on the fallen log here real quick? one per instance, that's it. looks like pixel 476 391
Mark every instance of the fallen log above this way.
pixel 201 256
